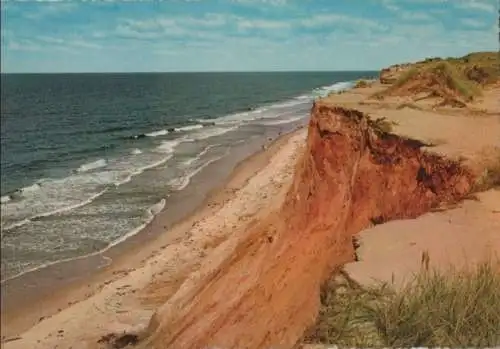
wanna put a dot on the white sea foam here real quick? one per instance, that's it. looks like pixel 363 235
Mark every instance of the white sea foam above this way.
pixel 92 165
pixel 61 209
pixel 281 122
pixel 181 183
pixel 16 224
pixel 151 212
pixel 337 87
pixel 29 189
pixel 157 133
pixel 188 128
pixel 212 132
pixel 168 146
pixel 272 111
pixel 164 132
pixel 136 151
pixel 278 109
pixel 156 208
pixel 71 207
pixel 53 196
pixel 199 155
pixel 287 104
pixel 5 199
pixel 128 175
pixel 153 165
pixel 237 118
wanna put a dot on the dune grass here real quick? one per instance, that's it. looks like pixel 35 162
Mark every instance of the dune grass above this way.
pixel 381 125
pixel 464 76
pixel 362 83
pixel 406 76
pixel 456 80
pixel 456 308
pixel 490 177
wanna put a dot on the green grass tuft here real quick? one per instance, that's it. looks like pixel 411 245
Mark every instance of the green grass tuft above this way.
pixel 381 125
pixel 362 84
pixel 491 176
pixel 406 76
pixel 455 80
pixel 457 308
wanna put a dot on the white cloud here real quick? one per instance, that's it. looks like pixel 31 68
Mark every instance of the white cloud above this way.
pixel 24 45
pixel 228 41
pixel 75 42
pixel 38 43
pixel 415 16
pixel 487 6
pixel 332 18
pixel 262 2
pixel 474 23
pixel 159 27
pixel 164 28
pixel 262 24
pixel 480 5
pixel 51 9
pixel 389 4
pixel 221 24
pixel 406 15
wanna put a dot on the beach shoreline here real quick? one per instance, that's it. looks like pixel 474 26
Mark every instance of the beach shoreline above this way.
pixel 56 287
pixel 106 193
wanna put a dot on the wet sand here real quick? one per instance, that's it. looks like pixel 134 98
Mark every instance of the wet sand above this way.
pixel 36 296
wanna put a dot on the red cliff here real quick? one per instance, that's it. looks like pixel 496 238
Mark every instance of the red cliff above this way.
pixel 266 292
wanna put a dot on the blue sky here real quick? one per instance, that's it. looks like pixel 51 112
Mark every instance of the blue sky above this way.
pixel 239 35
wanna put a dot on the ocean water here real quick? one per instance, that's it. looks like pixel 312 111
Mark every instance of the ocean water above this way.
pixel 89 159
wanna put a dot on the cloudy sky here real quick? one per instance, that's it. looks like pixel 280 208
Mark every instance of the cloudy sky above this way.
pixel 239 35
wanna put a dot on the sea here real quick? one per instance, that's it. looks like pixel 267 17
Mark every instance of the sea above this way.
pixel 88 160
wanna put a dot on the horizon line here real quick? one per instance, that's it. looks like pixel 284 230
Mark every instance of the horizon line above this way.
pixel 193 72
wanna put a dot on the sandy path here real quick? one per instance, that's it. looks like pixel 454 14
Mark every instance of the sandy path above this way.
pixel 127 302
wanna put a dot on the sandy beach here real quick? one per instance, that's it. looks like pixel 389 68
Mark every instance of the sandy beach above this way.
pixel 123 296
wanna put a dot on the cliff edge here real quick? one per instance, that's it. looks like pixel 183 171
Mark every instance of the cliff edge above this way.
pixel 265 292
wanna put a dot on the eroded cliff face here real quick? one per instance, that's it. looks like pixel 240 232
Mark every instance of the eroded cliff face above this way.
pixel 266 292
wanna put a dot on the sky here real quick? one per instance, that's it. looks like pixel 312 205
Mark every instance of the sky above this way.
pixel 239 35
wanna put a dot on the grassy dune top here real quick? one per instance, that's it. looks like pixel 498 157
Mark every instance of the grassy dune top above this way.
pixel 456 81
pixel 479 67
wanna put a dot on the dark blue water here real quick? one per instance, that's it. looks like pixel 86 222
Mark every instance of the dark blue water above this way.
pixel 88 158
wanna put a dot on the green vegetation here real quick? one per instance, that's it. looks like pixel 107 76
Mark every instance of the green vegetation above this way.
pixel 405 77
pixel 480 67
pixel 490 177
pixel 456 80
pixel 381 125
pixel 431 59
pixel 457 308
pixel 362 83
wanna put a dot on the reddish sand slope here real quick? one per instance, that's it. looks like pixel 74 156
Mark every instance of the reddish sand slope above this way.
pixel 265 293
